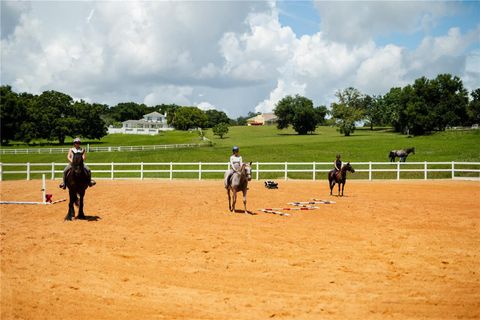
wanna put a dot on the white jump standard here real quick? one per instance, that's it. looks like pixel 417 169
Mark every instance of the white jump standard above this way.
pixel 46 198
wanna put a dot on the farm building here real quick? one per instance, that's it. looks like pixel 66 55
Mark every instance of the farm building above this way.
pixel 151 124
pixel 262 119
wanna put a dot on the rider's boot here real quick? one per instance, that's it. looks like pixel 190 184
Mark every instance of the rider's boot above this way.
pixel 63 185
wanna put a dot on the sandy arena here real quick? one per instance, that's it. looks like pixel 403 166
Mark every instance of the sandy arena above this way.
pixel 172 250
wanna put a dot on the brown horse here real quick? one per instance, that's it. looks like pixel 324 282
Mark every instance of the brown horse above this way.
pixel 239 182
pixel 340 177
pixel 77 182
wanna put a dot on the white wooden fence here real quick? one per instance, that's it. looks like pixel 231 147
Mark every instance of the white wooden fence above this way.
pixel 104 149
pixel 266 170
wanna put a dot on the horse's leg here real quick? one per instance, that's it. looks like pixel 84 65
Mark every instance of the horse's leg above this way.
pixel 245 200
pixel 234 200
pixel 229 200
pixel 81 215
pixel 332 184
pixel 71 210
pixel 339 185
pixel 343 186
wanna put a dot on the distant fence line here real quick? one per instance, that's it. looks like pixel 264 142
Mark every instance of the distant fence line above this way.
pixel 104 149
pixel 266 170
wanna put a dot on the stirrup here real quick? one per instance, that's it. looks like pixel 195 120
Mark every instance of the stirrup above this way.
pixel 63 186
pixel 92 183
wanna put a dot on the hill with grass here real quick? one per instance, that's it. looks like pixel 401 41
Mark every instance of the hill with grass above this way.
pixel 268 144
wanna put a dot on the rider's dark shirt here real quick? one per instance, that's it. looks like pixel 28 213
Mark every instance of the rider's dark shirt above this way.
pixel 338 164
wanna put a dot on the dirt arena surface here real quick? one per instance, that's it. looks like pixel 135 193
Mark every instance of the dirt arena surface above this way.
pixel 172 250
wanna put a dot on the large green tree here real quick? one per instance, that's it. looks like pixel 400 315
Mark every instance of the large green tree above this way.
pixel 473 109
pixel 12 114
pixel 298 112
pixel 215 117
pixel 128 111
pixel 90 123
pixel 375 111
pixel 53 116
pixel 348 110
pixel 189 118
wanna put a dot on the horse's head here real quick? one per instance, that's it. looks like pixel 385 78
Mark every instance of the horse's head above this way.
pixel 412 150
pixel 348 167
pixel 247 168
pixel 77 162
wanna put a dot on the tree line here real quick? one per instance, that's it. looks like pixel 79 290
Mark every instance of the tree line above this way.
pixel 425 106
pixel 54 115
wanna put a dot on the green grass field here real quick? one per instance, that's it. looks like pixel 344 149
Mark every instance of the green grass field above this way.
pixel 268 144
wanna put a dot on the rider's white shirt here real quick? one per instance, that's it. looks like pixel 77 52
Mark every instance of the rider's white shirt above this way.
pixel 235 162
pixel 75 150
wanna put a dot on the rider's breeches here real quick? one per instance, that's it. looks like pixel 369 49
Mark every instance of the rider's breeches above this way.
pixel 229 176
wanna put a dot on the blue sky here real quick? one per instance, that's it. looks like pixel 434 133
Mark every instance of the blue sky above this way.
pixel 234 56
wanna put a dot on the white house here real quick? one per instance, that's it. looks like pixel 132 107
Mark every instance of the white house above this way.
pixel 151 124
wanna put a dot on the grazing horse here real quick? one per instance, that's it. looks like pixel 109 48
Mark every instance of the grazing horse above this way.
pixel 402 154
pixel 77 182
pixel 340 177
pixel 239 182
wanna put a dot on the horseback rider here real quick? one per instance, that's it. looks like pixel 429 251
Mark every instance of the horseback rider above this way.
pixel 235 164
pixel 337 164
pixel 76 149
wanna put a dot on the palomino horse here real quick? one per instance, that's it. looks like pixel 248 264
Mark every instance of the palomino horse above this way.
pixel 239 182
pixel 402 154
pixel 77 182
pixel 340 177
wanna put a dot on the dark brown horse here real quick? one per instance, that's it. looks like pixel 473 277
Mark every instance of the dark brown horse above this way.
pixel 77 182
pixel 340 177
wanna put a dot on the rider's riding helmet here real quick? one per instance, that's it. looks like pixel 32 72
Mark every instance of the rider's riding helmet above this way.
pixel 76 140
pixel 338 155
pixel 235 149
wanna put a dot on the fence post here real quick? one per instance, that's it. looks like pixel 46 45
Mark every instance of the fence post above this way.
pixel 314 169
pixel 44 190
pixel 53 171
pixel 398 170
pixel 369 170
pixel 256 171
pixel 28 170
pixel 88 147
pixel 141 170
pixel 453 169
pixel 111 173
pixel 425 170
pixel 199 171
pixel 286 170
pixel 1 171
pixel 171 170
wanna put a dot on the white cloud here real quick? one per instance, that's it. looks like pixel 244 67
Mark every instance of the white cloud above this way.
pixel 173 94
pixel 356 22
pixel 283 89
pixel 205 106
pixel 236 54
